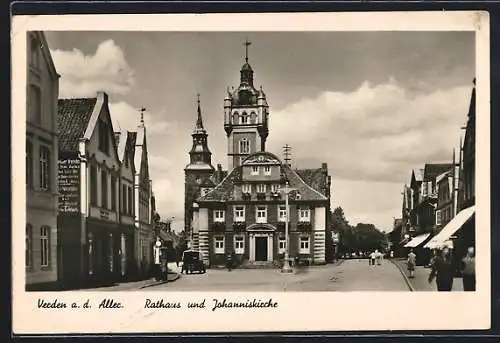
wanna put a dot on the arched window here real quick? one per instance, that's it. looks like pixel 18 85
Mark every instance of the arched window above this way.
pixel 235 117
pixel 45 246
pixel 29 245
pixel 44 168
pixel 244 118
pixel 244 146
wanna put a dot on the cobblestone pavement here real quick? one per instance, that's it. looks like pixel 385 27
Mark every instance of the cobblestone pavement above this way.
pixel 351 275
pixel 420 283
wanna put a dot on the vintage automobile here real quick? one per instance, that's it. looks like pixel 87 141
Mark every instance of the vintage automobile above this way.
pixel 192 260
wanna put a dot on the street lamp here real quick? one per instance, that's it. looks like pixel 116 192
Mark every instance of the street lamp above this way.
pixel 286 265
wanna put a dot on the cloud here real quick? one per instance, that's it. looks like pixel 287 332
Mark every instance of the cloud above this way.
pixel 83 75
pixel 376 133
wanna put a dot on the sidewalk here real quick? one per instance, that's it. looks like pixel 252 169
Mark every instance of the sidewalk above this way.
pixel 133 285
pixel 419 282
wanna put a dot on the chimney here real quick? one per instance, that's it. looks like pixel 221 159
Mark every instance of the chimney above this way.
pixel 219 173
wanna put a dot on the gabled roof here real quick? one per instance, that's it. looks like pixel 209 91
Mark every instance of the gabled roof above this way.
pixel 224 190
pixel 418 174
pixel 73 119
pixel 315 178
pixel 431 171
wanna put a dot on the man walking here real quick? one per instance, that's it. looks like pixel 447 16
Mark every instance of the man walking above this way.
pixel 372 258
pixel 469 271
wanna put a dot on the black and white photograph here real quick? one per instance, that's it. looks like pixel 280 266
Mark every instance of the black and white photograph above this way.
pixel 276 162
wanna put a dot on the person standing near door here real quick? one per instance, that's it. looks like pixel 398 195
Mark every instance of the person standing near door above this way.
pixel 469 270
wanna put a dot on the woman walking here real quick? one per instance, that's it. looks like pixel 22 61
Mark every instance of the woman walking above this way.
pixel 469 271
pixel 443 270
pixel 412 258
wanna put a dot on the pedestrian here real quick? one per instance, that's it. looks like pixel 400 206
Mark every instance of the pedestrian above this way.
pixel 378 257
pixel 469 270
pixel 372 258
pixel 391 254
pixel 410 262
pixel 157 261
pixel 443 270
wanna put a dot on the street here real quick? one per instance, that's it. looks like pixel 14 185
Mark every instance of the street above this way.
pixel 350 275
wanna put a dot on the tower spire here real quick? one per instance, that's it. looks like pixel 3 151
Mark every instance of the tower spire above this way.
pixel 247 43
pixel 199 120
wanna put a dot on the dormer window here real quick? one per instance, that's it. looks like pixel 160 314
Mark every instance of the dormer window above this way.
pixel 267 170
pixel 244 118
pixel 255 170
pixel 261 188
pixel 246 188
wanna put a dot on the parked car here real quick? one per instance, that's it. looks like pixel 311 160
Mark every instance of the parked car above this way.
pixel 192 260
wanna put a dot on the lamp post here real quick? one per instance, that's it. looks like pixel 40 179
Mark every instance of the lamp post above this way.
pixel 286 265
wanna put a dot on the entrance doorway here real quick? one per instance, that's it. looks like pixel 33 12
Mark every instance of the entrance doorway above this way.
pixel 261 249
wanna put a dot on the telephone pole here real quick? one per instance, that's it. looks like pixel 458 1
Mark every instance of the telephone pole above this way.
pixel 287 153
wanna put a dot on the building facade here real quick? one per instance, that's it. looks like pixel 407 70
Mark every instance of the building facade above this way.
pixel 242 210
pixel 42 254
pixel 90 175
pixel 246 214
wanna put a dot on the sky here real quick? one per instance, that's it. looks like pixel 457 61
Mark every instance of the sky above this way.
pixel 372 105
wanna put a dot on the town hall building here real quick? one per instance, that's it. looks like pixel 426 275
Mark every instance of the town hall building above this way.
pixel 242 210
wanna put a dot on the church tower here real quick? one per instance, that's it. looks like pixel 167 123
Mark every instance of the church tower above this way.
pixel 199 171
pixel 246 117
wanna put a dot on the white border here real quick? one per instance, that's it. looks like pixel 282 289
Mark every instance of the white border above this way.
pixel 297 311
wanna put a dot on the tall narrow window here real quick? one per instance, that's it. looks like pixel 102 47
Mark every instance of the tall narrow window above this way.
pixel 29 245
pixel 93 184
pixel 113 193
pixel 44 246
pixel 246 188
pixel 44 168
pixel 282 213
pixel 35 53
pixel 304 214
pixel 239 213
pixel 244 146
pixel 255 170
pixel 124 199
pixel 219 216
pixel 29 164
pixel 304 247
pixel 131 209
pixel 244 118
pixel 261 188
pixel 219 244
pixel 34 104
pixel 239 245
pixel 104 188
pixel 267 170
pixel 103 137
pixel 282 244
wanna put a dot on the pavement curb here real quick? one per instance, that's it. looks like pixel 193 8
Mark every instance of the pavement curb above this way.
pixel 157 283
pixel 408 283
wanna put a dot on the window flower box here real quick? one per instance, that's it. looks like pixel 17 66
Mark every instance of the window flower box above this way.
pixel 218 227
pixel 246 196
pixel 304 226
pixel 239 226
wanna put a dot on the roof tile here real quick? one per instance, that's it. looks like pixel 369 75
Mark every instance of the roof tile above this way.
pixel 73 119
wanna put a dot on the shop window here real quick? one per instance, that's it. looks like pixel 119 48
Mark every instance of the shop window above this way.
pixel 45 246
pixel 219 244
pixel 219 216
pixel 304 245
pixel 29 245
pixel 29 164
pixel 239 245
pixel 239 213
pixel 261 214
pixel 44 168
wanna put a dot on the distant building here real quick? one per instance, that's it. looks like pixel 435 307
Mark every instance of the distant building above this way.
pixel 242 209
pixel 42 254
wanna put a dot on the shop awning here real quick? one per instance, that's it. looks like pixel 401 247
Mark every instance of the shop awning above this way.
pixel 417 240
pixel 449 229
